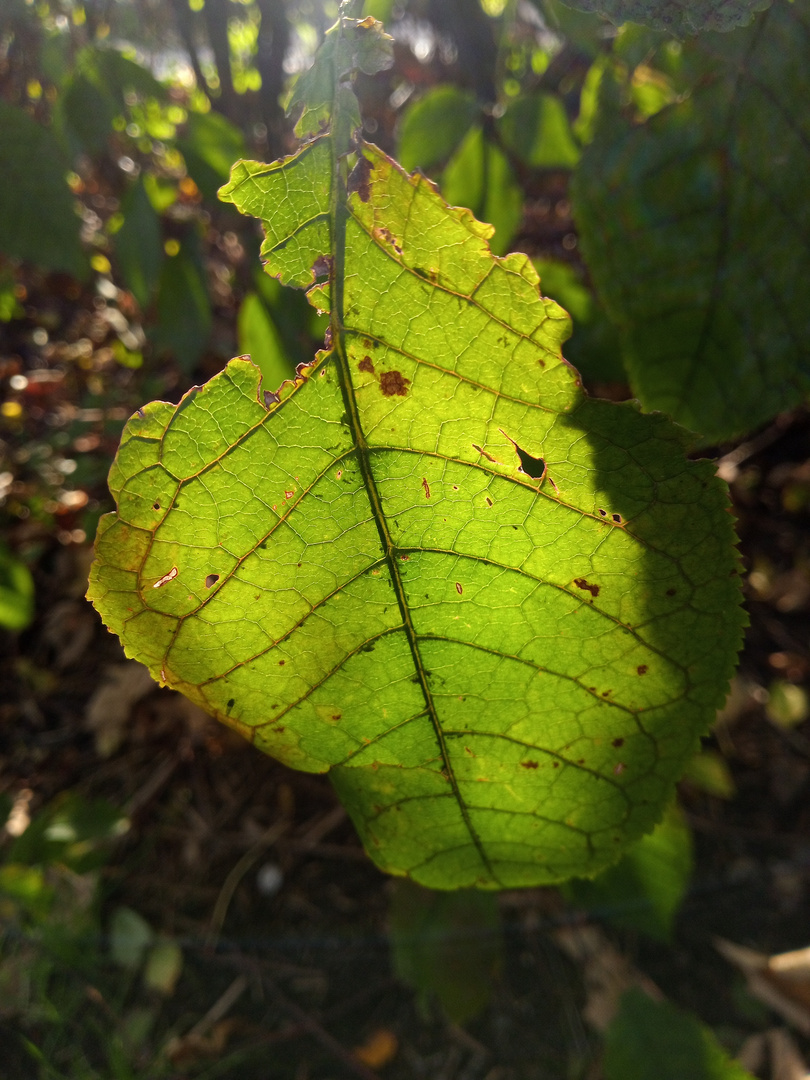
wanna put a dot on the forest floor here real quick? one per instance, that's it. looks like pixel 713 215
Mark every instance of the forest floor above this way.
pixel 255 871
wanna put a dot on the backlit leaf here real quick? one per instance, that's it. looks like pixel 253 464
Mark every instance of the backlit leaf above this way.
pixel 497 612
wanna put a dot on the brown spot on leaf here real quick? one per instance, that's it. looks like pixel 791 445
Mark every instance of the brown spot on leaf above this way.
pixel 336 716
pixel 156 506
pixel 671 592
pixel 211 580
pixel 617 518
pixel 281 663
pixel 322 266
pixel 617 743
pixel 642 669
pixel 488 501
pixel 393 383
pixel 459 589
pixel 555 764
pixel 529 764
pixel 366 365
pixel 426 487
pixel 387 235
pixel 581 583
pixel 359 179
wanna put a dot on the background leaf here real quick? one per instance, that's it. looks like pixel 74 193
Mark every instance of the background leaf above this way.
pixel 651 1040
pixel 259 337
pixel 447 946
pixel 677 216
pixel 679 17
pixel 645 888
pixel 139 244
pixel 434 126
pixel 37 219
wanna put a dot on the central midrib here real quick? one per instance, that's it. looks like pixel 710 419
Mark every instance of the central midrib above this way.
pixel 339 218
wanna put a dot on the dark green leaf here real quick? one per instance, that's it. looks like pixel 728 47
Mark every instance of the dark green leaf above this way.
pixel 535 127
pixel 645 888
pixel 184 310
pixel 210 145
pixel 651 1040
pixel 594 347
pixel 446 946
pixel 139 245
pixel 696 227
pixel 37 217
pixel 433 128
pixel 260 339
pixel 16 592
pixel 480 177
pixel 679 17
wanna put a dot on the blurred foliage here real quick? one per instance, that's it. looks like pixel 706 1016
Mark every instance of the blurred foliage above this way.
pixel 61 985
pixel 652 1040
pixel 447 946
pixel 645 888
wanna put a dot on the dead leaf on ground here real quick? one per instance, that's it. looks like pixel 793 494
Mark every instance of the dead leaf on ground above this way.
pixel 606 973
pixel 187 1050
pixel 379 1048
pixel 773 1054
pixel 782 981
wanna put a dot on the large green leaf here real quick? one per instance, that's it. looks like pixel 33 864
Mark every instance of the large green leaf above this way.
pixel 498 612
pixel 696 227
pixel 679 17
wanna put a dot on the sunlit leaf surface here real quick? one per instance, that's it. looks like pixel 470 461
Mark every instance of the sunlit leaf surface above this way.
pixel 499 613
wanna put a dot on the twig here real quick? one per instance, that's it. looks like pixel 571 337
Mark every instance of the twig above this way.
pixel 220 1007
pixel 728 467
pixel 231 883
pixel 152 786
pixel 321 828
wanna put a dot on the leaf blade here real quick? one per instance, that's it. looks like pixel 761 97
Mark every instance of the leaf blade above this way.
pixel 412 569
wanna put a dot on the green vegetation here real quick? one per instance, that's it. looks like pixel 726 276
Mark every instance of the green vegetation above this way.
pixel 499 611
